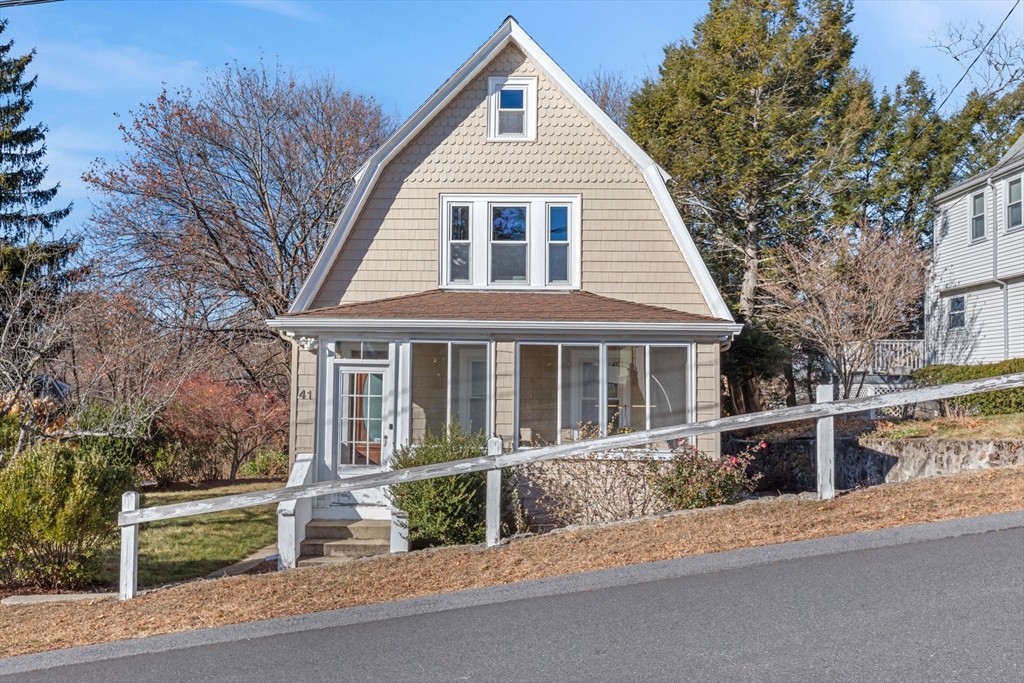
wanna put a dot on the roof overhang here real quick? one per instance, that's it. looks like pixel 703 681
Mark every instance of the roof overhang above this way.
pixel 508 33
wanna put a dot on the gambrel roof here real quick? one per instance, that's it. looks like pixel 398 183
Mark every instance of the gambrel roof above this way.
pixel 509 33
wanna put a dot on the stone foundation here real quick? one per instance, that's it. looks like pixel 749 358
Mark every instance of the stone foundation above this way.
pixel 863 461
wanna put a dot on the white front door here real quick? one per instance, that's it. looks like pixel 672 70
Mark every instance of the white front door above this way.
pixel 362 434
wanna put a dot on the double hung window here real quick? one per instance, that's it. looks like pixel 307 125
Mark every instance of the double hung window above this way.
pixel 512 108
pixel 957 312
pixel 510 241
pixel 977 217
pixel 1014 218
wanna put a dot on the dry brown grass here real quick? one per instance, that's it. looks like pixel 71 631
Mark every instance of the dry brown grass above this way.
pixel 34 628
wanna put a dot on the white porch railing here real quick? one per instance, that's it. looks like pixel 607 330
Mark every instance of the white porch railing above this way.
pixel 823 411
pixel 897 356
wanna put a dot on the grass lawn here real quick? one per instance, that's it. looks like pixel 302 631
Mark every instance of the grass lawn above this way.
pixel 192 547
pixel 981 427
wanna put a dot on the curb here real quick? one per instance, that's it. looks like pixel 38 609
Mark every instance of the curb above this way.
pixel 595 580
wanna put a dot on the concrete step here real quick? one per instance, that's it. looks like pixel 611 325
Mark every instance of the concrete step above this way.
pixel 339 529
pixel 317 561
pixel 346 547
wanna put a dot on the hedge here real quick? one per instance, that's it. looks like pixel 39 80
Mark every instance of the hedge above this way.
pixel 992 403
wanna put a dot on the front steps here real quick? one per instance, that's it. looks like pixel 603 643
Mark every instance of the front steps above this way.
pixel 335 541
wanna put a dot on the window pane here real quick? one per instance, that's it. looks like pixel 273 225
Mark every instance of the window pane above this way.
pixel 508 263
pixel 978 205
pixel 1015 215
pixel 977 227
pixel 375 350
pixel 511 98
pixel 348 350
pixel 429 389
pixel 538 395
pixel 508 223
pixel 1015 191
pixel 668 386
pixel 558 263
pixel 956 303
pixel 558 223
pixel 469 386
pixel 511 122
pixel 460 223
pixel 627 381
pixel 458 269
pixel 581 393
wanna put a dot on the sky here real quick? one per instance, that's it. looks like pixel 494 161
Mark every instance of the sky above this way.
pixel 97 58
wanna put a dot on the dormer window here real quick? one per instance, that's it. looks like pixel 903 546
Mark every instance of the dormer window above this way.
pixel 512 108
pixel 510 241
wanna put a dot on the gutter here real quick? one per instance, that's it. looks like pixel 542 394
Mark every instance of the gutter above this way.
pixel 717 329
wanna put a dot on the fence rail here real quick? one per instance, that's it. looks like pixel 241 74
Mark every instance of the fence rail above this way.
pixel 823 411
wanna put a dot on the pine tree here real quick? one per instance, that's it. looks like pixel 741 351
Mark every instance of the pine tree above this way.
pixel 23 204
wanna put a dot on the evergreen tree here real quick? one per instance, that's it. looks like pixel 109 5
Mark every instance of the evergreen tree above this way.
pixel 23 204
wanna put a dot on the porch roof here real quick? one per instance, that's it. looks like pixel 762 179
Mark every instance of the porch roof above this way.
pixel 504 306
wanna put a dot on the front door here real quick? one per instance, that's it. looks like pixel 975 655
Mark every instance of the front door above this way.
pixel 363 429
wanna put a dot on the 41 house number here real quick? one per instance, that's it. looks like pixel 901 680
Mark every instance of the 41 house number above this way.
pixel 306 394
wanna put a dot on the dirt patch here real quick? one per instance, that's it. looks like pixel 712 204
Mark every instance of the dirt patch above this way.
pixel 232 600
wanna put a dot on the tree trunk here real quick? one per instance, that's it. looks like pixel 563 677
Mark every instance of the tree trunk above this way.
pixel 787 368
pixel 751 395
pixel 748 288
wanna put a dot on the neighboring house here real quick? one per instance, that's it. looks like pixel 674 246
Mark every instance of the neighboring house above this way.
pixel 974 305
pixel 508 259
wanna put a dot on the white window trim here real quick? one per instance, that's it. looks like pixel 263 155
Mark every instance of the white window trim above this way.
pixel 691 389
pixel 950 313
pixel 536 241
pixel 494 85
pixel 1006 201
pixel 971 216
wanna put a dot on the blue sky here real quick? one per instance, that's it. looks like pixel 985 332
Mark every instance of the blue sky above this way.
pixel 96 58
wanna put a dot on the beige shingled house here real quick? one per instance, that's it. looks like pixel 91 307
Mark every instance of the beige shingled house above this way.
pixel 510 260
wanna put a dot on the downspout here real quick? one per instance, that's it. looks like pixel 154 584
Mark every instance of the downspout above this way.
pixel 995 272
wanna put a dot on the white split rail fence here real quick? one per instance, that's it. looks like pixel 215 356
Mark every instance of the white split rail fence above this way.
pixel 823 411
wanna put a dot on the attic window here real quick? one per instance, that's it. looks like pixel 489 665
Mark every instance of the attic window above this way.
pixel 512 108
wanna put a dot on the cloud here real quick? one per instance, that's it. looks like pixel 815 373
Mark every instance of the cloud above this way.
pixel 284 8
pixel 100 70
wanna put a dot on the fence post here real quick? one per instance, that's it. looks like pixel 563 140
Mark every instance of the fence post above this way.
pixel 493 495
pixel 826 444
pixel 129 582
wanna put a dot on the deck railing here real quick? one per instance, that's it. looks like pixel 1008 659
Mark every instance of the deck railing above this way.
pixel 897 356
pixel 824 411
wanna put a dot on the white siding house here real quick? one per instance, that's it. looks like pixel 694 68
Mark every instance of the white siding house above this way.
pixel 974 305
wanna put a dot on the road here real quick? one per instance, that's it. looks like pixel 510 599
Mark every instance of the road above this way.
pixel 950 609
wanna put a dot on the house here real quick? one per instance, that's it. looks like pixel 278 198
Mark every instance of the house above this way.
pixel 509 259
pixel 974 304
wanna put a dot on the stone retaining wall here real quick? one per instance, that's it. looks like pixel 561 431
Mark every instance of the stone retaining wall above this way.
pixel 862 461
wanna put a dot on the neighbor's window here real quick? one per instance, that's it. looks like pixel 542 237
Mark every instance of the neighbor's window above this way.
pixel 957 311
pixel 1014 219
pixel 978 217
pixel 511 241
pixel 568 392
pixel 512 109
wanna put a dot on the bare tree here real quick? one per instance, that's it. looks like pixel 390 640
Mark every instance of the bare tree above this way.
pixel 1001 55
pixel 844 290
pixel 226 197
pixel 611 91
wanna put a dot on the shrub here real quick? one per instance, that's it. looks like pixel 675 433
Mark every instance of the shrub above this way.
pixel 992 403
pixel 595 488
pixel 58 510
pixel 448 510
pixel 693 480
pixel 266 464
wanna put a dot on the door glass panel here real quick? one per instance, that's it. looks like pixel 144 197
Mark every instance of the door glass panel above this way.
pixel 360 417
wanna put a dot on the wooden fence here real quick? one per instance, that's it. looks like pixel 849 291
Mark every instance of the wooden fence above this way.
pixel 824 412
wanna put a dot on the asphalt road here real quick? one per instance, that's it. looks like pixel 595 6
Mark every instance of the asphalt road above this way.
pixel 940 610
